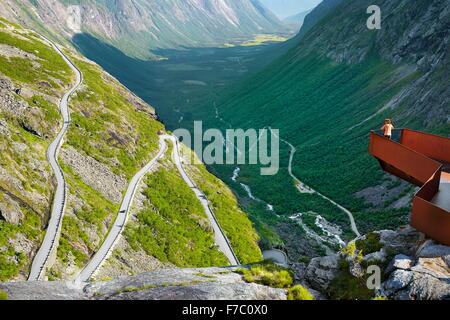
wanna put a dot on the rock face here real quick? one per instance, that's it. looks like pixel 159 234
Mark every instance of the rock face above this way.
pixel 415 268
pixel 29 117
pixel 233 291
pixel 321 271
pixel 424 276
pixel 95 174
pixel 422 45
pixel 168 284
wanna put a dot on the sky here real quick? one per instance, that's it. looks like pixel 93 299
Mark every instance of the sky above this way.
pixel 286 8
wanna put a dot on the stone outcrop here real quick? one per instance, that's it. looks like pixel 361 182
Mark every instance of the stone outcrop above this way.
pixel 168 284
pixel 415 268
pixel 425 275
pixel 29 117
pixel 321 271
pixel 95 174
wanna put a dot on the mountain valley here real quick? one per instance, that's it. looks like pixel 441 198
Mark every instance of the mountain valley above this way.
pixel 140 220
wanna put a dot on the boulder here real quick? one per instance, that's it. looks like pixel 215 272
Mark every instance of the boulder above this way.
pixel 404 240
pixel 447 260
pixel 376 256
pixel 321 271
pixel 434 251
pixel 400 261
pixel 10 211
pixel 427 287
pixel 299 270
pixel 399 279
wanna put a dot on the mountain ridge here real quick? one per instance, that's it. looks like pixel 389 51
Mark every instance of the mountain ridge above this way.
pixel 139 27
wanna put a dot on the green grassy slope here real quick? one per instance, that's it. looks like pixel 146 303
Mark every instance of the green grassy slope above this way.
pixel 173 226
pixel 234 222
pixel 321 103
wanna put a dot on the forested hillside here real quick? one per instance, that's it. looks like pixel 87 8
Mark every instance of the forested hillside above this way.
pixel 339 82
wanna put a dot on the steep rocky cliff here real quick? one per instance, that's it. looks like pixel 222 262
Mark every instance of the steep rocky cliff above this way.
pixel 413 38
pixel 138 26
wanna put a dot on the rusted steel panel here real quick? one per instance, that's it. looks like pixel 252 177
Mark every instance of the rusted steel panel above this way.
pixel 402 158
pixel 411 161
pixel 432 146
pixel 400 174
pixel 429 189
pixel 431 220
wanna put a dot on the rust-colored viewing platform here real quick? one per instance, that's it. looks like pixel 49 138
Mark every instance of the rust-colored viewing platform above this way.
pixel 424 160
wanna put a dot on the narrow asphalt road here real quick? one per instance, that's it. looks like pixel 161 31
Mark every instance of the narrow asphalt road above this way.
pixel 219 236
pixel 59 200
pixel 276 255
pixel 305 189
pixel 119 225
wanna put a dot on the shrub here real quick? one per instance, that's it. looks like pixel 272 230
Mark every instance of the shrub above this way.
pixel 351 251
pixel 370 245
pixel 347 287
pixel 299 293
pixel 268 274
pixel 3 295
pixel 304 259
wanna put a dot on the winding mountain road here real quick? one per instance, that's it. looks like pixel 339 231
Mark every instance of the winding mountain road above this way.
pixel 276 255
pixel 219 236
pixel 119 225
pixel 305 189
pixel 50 242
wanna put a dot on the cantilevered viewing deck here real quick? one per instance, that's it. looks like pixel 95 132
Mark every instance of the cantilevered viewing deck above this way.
pixel 423 160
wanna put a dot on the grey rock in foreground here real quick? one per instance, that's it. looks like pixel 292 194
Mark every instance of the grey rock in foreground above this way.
pixel 210 291
pixel 168 284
